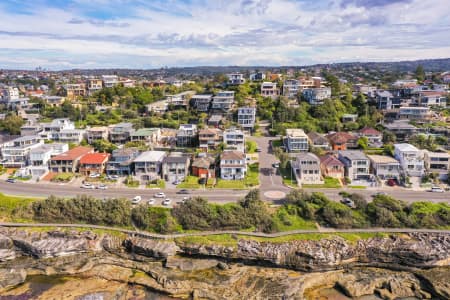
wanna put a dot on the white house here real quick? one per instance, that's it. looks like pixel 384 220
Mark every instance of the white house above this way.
pixel 385 167
pixel 356 163
pixel 110 81
pixel 247 117
pixel 148 165
pixel 269 89
pixel 410 159
pixel 233 165
pixel 316 96
pixel 16 153
pixel 52 130
pixel 223 100
pixel 296 140
pixel 291 88
pixel 437 162
pixel 306 168
pixel 235 78
pixel 234 139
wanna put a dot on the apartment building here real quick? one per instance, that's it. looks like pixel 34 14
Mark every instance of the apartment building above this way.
pixel 410 159
pixel 247 117
pixel 296 140
pixel 16 152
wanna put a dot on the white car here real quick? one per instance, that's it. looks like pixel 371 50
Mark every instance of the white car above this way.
pixel 94 175
pixel 436 189
pixel 185 199
pixel 102 187
pixel 136 200
pixel 151 201
pixel 88 186
pixel 166 201
pixel 160 195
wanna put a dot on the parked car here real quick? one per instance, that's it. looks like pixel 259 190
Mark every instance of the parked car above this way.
pixel 87 186
pixel 102 187
pixel 166 201
pixel 176 182
pixel 436 189
pixel 112 177
pixel 151 201
pixel 276 165
pixel 392 182
pixel 136 200
pixel 185 199
pixel 258 149
pixel 160 195
pixel 11 180
pixel 349 202
pixel 94 175
pixel 183 191
pixel 202 181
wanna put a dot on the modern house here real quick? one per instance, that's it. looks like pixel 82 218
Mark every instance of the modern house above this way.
pixel 16 152
pixel 296 140
pixel 414 113
pixel 410 158
pixel 374 137
pixel 147 135
pixel 110 81
pixel 223 101
pixel 74 90
pixel 204 167
pixel 201 102
pixel 332 167
pixel 385 167
pixel 235 78
pixel 120 133
pixel 94 85
pixel 291 88
pixel 306 167
pixel 30 128
pixel 347 118
pixel 257 76
pixel 247 117
pixel 209 138
pixel 187 135
pixel 175 167
pixel 315 96
pixel 93 163
pixel 432 98
pixel 234 139
pixel 40 156
pixel 215 120
pixel 121 162
pixel 437 162
pixel 342 141
pixel 180 99
pixel 386 100
pixel 402 130
pixel 356 163
pixel 68 162
pixel 148 165
pixel 52 130
pixel 269 89
pixel 233 165
pixel 317 140
pixel 96 133
pixel 74 136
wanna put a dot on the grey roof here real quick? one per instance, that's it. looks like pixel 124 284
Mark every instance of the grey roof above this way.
pixel 151 156
pixel 175 159
pixel 353 154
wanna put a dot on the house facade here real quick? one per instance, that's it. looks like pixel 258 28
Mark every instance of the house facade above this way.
pixel 147 135
pixel 410 159
pixel 296 140
pixel 291 88
pixel 187 135
pixel 234 139
pixel 306 168
pixel 201 102
pixel 233 165
pixel 204 167
pixel 332 167
pixel 342 141
pixel 356 163
pixel 315 96
pixel 175 167
pixel 317 140
pixel 148 165
pixel 120 133
pixel 437 162
pixel 93 163
pixel 223 101
pixel 247 117
pixel 269 89
pixel 374 137
pixel 209 138
pixel 384 167
pixel 68 162
pixel 96 133
pixel 236 78
pixel 121 162
pixel 16 153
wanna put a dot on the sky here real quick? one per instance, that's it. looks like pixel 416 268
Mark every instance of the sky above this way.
pixel 66 34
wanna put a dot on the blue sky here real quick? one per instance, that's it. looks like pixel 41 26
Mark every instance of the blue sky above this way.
pixel 58 34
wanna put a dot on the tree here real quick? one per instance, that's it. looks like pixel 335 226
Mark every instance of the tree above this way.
pixel 11 124
pixel 363 142
pixel 104 146
pixel 420 73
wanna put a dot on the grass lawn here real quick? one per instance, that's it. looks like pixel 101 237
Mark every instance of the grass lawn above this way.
pixel 63 177
pixel 251 146
pixel 11 204
pixel 288 178
pixel 358 187
pixel 277 143
pixel 159 183
pixel 286 221
pixel 251 180
pixel 329 182
pixel 230 184
pixel 190 182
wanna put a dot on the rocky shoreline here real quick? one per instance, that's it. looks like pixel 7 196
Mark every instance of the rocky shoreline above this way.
pixel 396 266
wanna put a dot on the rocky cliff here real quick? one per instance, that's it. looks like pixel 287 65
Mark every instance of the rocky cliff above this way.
pixel 407 265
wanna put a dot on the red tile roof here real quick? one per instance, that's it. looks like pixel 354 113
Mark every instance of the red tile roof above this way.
pixel 340 137
pixel 94 158
pixel 369 131
pixel 74 153
pixel 330 160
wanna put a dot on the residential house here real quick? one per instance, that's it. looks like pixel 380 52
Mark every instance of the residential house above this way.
pixel 215 121
pixel 233 165
pixel 121 162
pixel 54 101
pixel 209 138
pixel 257 76
pixel 147 135
pixel 347 118
pixel 291 88
pixel 410 158
pixel 148 165
pixel 247 117
pixel 356 164
pixel 432 98
pixel 30 128
pixel 374 137
pixel 402 130
pixel 93 163
pixel 175 167
pixel 187 135
pixel 306 167
pixel 110 81
pixel 51 130
pixel 386 100
pixel 342 140
pixel 269 89
pixel 74 90
pixel 437 162
pixel 317 140
pixel 16 152
pixel 385 167
pixel 40 156
pixel 235 78
pixel 180 99
pixel 158 107
pixel 202 102
pixel 223 101
pixel 94 85
pixel 315 96
pixel 296 140
pixel 97 133
pixel 414 113
pixel 234 139
pixel 204 167
pixel 332 167
pixel 74 136
pixel 68 162
pixel 120 133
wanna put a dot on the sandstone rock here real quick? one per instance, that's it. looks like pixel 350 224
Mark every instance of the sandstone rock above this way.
pixel 151 248
pixel 7 254
pixel 11 277
pixel 189 264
